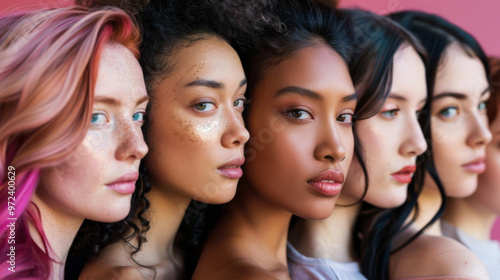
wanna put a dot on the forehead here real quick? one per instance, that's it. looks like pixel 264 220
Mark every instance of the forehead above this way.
pixel 209 50
pixel 458 72
pixel 119 72
pixel 316 67
pixel 408 75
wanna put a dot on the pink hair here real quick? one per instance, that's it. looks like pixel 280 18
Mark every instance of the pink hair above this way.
pixel 48 70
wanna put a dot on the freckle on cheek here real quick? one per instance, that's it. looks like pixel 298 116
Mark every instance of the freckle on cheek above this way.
pixel 205 132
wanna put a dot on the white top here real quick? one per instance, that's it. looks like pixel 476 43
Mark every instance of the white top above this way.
pixel 488 251
pixel 305 268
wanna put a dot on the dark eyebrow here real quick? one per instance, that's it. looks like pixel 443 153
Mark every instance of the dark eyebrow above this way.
pixel 488 89
pixel 459 96
pixel 205 83
pixel 299 91
pixel 455 95
pixel 211 84
pixel 403 98
pixel 350 97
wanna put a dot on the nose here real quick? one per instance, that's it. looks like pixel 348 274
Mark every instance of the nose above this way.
pixel 131 143
pixel 414 143
pixel 329 147
pixel 479 133
pixel 235 134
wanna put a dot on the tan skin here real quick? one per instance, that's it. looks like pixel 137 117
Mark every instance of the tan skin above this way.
pixel 300 127
pixel 196 128
pixel 459 135
pixel 392 139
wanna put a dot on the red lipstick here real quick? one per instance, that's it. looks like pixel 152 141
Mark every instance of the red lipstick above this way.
pixel 405 174
pixel 475 166
pixel 329 183
pixel 232 168
pixel 125 184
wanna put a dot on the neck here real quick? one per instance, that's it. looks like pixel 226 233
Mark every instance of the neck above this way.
pixel 328 239
pixel 60 228
pixel 470 217
pixel 165 215
pixel 259 221
pixel 429 202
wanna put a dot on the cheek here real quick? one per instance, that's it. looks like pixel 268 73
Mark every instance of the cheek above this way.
pixel 78 174
pixel 354 184
pixel 489 181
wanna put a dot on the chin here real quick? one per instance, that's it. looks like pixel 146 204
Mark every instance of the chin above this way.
pixel 221 195
pixel 112 216
pixel 315 212
pixel 463 189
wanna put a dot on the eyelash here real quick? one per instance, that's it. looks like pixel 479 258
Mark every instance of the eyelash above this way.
pixel 390 113
pixel 93 119
pixel 289 113
pixel 351 118
pixel 243 101
pixel 442 112
pixel 203 109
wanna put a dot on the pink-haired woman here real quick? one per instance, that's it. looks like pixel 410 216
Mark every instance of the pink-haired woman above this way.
pixel 72 101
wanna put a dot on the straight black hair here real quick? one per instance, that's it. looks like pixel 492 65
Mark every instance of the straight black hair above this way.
pixel 377 41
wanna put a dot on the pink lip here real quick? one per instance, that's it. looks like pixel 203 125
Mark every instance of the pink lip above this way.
pixel 232 168
pixel 405 174
pixel 475 166
pixel 125 184
pixel 329 183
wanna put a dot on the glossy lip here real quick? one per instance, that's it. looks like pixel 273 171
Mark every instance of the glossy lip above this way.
pixel 232 168
pixel 476 166
pixel 125 184
pixel 405 174
pixel 329 183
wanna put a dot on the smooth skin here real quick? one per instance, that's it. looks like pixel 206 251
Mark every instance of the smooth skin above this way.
pixel 300 126
pixel 459 135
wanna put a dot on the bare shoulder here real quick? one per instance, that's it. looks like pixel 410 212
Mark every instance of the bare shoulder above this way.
pixel 114 262
pixel 429 256
pixel 230 258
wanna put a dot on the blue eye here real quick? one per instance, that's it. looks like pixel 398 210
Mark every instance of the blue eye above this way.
pixel 204 106
pixel 346 118
pixel 449 112
pixel 482 106
pixel 298 114
pixel 98 118
pixel 391 113
pixel 138 117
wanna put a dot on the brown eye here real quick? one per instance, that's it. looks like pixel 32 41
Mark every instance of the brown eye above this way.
pixel 299 114
pixel 345 118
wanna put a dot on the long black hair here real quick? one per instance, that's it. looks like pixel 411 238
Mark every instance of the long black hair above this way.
pixel 435 35
pixel 377 40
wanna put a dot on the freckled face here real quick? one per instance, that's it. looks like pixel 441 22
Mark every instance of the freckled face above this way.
pixel 392 139
pixel 301 135
pixel 97 180
pixel 459 123
pixel 196 132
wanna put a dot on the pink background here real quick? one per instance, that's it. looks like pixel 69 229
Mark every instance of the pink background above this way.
pixel 479 18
